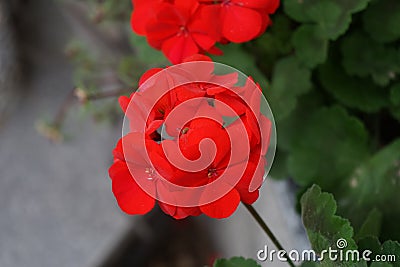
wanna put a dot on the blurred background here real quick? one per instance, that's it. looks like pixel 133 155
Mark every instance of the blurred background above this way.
pixel 61 65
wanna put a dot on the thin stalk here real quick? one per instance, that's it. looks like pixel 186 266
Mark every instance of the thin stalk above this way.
pixel 268 231
pixel 63 110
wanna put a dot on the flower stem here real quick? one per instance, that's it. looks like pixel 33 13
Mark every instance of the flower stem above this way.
pixel 268 231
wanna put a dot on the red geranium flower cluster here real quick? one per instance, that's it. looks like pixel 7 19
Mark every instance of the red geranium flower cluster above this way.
pixel 181 28
pixel 208 134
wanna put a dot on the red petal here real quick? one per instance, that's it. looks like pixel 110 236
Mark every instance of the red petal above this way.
pixel 272 6
pixel 203 40
pixel 179 47
pixel 226 80
pixel 240 24
pixel 138 22
pixel 197 57
pixel 203 129
pixel 124 102
pixel 153 126
pixel 229 105
pixel 148 74
pixel 143 12
pixel 249 197
pixel 261 4
pixel 215 51
pixel 179 212
pixel 171 15
pixel 223 207
pixel 183 212
pixel 266 127
pixel 251 181
pixel 186 7
pixel 133 149
pixel 167 209
pixel 266 21
pixel 130 197
pixel 118 151
pixel 158 33
pixel 205 22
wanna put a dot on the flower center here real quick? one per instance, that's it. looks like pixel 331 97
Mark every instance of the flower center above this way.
pixel 183 31
pixel 185 130
pixel 150 172
pixel 212 172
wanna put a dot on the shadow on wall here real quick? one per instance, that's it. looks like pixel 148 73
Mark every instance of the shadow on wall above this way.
pixel 9 56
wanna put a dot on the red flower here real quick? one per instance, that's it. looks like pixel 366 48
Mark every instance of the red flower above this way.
pixel 181 28
pixel 182 151
pixel 143 12
pixel 242 20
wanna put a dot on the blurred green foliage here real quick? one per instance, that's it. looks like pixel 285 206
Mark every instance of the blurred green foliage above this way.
pixel 333 66
pixel 324 227
pixel 326 230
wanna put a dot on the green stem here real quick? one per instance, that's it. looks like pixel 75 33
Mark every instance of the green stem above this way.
pixel 268 231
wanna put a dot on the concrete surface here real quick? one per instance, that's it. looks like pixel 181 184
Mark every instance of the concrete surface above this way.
pixel 56 207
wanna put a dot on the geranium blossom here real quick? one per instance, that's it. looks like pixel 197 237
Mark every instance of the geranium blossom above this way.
pixel 181 28
pixel 205 134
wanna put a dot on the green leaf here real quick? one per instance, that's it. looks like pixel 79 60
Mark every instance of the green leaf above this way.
pixel 329 18
pixel 332 144
pixel 381 264
pixel 353 6
pixel 395 111
pixel 324 228
pixel 289 81
pixel 371 225
pixel 395 101
pixel 273 44
pixel 389 249
pixel 382 20
pixel 309 264
pixel 395 94
pixel 364 57
pixel 369 243
pixel 377 180
pixel 375 183
pixel 332 17
pixel 288 129
pixel 311 49
pixel 392 248
pixel 236 262
pixel 353 92
pixel 297 9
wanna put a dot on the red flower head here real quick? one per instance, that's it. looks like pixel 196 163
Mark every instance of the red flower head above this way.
pixel 242 20
pixel 196 143
pixel 181 28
